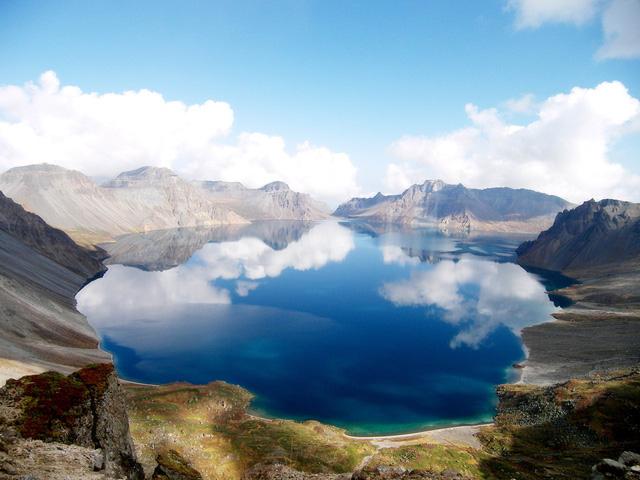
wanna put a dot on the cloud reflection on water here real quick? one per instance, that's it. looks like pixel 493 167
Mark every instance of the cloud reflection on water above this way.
pixel 478 296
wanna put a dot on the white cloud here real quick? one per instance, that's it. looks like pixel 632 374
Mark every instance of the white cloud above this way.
pixel 564 151
pixel 620 20
pixel 525 104
pixel 506 296
pixel 534 13
pixel 105 134
pixel 621 26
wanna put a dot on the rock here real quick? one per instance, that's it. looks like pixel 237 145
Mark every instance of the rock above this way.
pixel 629 459
pixel 610 467
pixel 383 472
pixel 86 409
pixel 173 466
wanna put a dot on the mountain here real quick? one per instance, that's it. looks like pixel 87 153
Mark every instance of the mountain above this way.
pixel 274 201
pixel 457 208
pixel 41 270
pixel 595 234
pixel 144 199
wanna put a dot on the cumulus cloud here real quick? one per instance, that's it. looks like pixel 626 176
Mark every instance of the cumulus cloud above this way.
pixel 563 151
pixel 621 27
pixel 620 20
pixel 477 296
pixel 533 13
pixel 105 134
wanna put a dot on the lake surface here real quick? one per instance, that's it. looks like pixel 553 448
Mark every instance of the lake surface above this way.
pixel 375 330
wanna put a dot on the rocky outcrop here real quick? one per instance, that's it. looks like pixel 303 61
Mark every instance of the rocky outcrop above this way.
pixel 593 235
pixel 173 466
pixel 562 430
pixel 85 409
pixel 455 208
pixel 274 201
pixel 148 198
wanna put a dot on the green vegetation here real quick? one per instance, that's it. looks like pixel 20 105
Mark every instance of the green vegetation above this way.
pixel 562 431
pixel 432 457
pixel 210 427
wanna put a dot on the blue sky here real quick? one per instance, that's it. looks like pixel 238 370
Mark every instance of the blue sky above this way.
pixel 350 76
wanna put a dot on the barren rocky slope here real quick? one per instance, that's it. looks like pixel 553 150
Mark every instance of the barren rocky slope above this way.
pixel 145 199
pixel 274 201
pixel 41 270
pixel 597 243
pixel 457 208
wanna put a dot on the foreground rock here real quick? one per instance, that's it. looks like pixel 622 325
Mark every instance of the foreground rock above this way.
pixel 173 466
pixel 455 208
pixel 562 430
pixel 41 270
pixel 83 414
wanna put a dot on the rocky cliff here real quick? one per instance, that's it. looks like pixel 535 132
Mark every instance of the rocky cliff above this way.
pixel 593 235
pixel 457 208
pixel 41 270
pixel 49 420
pixel 144 199
pixel 598 244
pixel 274 201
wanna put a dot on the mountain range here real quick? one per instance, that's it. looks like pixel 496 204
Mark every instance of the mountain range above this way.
pixel 456 208
pixel 145 199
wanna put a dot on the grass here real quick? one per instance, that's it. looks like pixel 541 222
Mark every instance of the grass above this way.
pixel 210 427
pixel 432 457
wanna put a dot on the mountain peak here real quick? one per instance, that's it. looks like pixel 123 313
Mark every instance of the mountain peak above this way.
pixel 143 176
pixel 275 187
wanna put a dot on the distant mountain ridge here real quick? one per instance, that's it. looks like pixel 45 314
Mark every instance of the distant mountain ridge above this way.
pixel 594 234
pixel 273 201
pixel 458 208
pixel 145 199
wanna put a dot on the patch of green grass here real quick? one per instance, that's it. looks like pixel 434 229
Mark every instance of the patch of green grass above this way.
pixel 432 457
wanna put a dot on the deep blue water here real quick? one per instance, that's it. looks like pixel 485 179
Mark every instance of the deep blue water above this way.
pixel 377 331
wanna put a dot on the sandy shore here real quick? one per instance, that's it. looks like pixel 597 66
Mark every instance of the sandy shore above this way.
pixel 462 435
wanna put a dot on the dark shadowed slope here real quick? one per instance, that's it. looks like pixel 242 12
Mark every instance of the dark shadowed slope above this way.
pixel 41 270
pixel 592 235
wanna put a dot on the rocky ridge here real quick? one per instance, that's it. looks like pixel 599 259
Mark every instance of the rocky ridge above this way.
pixel 456 208
pixel 273 201
pixel 598 244
pixel 148 198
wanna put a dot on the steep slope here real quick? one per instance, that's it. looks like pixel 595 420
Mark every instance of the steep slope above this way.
pixel 274 201
pixel 594 234
pixel 41 270
pixel 597 243
pixel 144 199
pixel 168 200
pixel 457 208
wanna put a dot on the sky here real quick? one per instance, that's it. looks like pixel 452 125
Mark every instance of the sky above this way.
pixel 337 98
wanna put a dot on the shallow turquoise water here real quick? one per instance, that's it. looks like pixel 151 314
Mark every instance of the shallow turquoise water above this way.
pixel 375 330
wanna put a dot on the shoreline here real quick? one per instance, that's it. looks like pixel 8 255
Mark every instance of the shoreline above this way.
pixel 421 433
